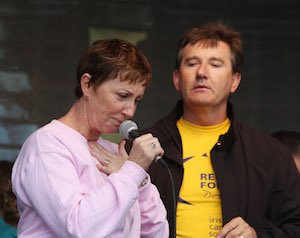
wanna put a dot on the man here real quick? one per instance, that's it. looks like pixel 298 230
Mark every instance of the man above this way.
pixel 292 140
pixel 230 180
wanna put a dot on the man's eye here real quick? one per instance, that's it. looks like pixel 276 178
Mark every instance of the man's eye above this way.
pixel 216 64
pixel 191 63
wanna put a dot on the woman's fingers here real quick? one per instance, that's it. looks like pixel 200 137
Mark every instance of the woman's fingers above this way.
pixel 108 162
pixel 122 149
pixel 144 150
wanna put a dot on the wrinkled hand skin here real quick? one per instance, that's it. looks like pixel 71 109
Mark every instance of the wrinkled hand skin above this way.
pixel 102 155
pixel 237 228
pixel 143 152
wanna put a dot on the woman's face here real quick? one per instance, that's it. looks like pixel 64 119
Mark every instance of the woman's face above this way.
pixel 110 103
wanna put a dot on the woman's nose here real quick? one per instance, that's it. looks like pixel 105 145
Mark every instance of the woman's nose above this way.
pixel 129 110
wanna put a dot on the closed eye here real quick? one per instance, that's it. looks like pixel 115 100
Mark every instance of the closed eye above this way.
pixel 122 96
pixel 191 62
pixel 216 62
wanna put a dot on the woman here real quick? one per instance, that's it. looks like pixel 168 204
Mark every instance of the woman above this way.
pixel 62 190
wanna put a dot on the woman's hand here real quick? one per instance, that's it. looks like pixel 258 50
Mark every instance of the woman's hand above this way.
pixel 108 162
pixel 144 150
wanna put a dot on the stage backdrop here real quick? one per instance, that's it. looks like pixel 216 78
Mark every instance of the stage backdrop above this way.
pixel 41 41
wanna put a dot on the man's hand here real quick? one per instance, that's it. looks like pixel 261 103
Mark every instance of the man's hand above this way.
pixel 237 228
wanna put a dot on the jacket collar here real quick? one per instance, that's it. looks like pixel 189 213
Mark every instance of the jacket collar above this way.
pixel 171 119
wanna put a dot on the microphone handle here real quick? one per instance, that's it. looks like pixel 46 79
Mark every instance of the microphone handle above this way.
pixel 133 134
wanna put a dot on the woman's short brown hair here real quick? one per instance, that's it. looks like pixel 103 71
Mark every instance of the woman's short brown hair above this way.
pixel 106 59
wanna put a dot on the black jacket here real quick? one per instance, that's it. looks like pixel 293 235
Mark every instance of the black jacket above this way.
pixel 256 176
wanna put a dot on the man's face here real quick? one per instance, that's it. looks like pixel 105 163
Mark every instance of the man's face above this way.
pixel 205 78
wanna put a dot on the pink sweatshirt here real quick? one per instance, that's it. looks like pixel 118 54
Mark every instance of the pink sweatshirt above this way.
pixel 61 193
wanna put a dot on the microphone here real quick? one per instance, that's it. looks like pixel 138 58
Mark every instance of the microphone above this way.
pixel 129 130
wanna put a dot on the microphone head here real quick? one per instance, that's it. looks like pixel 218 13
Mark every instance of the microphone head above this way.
pixel 126 127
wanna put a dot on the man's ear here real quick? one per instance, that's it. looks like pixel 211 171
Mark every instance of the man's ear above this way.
pixel 176 79
pixel 235 82
pixel 85 84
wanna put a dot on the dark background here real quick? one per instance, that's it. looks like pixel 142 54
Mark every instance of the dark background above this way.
pixel 41 41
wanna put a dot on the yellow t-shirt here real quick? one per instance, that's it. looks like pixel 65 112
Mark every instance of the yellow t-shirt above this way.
pixel 199 205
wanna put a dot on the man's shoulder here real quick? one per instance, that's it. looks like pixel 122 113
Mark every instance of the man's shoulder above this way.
pixel 247 129
pixel 257 137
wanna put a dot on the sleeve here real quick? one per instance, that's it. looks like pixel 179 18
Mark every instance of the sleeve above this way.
pixel 153 212
pixel 52 184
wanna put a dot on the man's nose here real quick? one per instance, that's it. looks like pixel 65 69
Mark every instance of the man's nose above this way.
pixel 202 72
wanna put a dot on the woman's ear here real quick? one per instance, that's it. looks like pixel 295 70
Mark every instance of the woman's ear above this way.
pixel 85 84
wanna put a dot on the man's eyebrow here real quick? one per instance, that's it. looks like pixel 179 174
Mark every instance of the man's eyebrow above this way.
pixel 216 58
pixel 192 58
